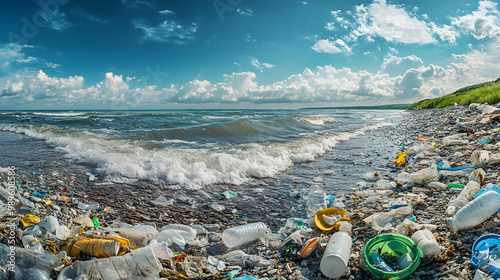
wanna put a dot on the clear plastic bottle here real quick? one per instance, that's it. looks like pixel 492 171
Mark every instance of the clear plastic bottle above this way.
pixel 138 264
pixel 334 261
pixel 379 263
pixel 427 242
pixel 316 200
pixel 240 235
pixel 475 212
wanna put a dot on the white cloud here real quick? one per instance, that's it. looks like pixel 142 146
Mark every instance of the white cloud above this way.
pixel 400 79
pixel 255 62
pixel 244 12
pixel 445 32
pixel 167 31
pixel 330 26
pixel 331 47
pixel 55 19
pixel 14 52
pixel 41 86
pixel 326 46
pixel 392 23
pixel 395 66
pixel 485 22
pixel 52 65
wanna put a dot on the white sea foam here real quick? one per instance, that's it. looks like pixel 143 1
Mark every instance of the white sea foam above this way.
pixel 69 114
pixel 186 166
pixel 318 120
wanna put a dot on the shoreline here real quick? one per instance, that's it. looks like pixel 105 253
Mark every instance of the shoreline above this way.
pixel 269 200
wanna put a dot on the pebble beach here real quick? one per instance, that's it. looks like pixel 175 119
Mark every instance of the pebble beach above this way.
pixel 365 182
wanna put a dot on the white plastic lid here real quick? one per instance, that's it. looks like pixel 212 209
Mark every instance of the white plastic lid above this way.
pixel 333 266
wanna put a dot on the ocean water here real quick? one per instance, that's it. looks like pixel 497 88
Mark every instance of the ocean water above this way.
pixel 193 148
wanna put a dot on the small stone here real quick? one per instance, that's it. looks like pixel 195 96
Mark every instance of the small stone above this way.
pixel 318 180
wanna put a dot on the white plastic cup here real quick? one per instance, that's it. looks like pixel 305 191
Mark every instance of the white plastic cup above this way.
pixel 336 256
pixel 404 261
pixel 240 235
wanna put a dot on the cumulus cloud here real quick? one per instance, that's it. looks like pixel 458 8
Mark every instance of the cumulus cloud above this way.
pixel 167 31
pixel 393 23
pixel 395 66
pixel 326 46
pixel 400 79
pixel 41 86
pixel 485 22
pixel 331 47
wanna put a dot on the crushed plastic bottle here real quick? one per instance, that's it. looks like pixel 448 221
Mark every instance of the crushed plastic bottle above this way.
pixel 85 206
pixel 138 264
pixel 421 177
pixel 32 263
pixel 427 242
pixel 466 195
pixel 240 235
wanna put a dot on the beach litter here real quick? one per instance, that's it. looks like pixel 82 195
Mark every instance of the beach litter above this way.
pixel 423 216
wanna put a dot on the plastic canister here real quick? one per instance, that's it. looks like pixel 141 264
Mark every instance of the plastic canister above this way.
pixel 336 256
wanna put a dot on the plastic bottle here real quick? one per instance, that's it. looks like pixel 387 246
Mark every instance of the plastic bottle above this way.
pixel 138 264
pixel 475 212
pixel 240 235
pixel 379 263
pixel 466 195
pixel 421 177
pixel 85 206
pixel 334 261
pixel 139 235
pixel 185 231
pixel 33 263
pixel 427 242
pixel 316 200
pixel 451 142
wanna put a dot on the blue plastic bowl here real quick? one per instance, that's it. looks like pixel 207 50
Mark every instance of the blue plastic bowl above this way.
pixel 482 243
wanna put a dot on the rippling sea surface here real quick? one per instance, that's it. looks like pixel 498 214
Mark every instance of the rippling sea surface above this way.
pixel 193 148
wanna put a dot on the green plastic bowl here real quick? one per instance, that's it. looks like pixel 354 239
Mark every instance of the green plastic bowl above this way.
pixel 396 245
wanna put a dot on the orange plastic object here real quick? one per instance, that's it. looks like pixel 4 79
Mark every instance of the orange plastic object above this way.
pixel 309 248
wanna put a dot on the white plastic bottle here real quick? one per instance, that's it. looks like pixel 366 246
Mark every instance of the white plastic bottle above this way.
pixel 138 264
pixel 316 200
pixel 466 195
pixel 427 242
pixel 334 261
pixel 475 212
pixel 240 235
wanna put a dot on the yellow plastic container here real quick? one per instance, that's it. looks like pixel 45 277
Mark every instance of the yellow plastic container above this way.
pixel 97 247
pixel 321 223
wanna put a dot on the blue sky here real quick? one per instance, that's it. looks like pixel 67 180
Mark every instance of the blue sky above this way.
pixel 147 54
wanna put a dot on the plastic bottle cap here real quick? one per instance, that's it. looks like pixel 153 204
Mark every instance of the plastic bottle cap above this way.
pixel 333 266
